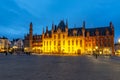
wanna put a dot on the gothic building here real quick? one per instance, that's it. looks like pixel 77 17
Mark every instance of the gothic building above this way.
pixel 32 43
pixel 64 40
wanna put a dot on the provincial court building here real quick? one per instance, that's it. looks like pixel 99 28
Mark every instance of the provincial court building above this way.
pixel 64 40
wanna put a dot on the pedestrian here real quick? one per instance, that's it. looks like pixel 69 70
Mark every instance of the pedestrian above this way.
pixel 96 56
pixel 6 53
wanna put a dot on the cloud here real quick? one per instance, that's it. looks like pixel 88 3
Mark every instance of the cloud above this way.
pixel 17 14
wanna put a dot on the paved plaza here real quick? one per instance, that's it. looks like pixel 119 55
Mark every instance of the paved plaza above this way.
pixel 25 67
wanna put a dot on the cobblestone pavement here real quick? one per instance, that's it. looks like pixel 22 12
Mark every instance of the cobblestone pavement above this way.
pixel 16 67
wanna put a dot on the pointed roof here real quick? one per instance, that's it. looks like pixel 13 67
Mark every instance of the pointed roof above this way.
pixel 61 25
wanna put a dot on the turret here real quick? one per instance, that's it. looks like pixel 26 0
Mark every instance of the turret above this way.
pixel 31 29
pixel 66 28
pixel 66 23
pixel 46 29
pixel 30 37
pixel 83 24
pixel 112 27
pixel 43 31
pixel 83 29
pixel 52 27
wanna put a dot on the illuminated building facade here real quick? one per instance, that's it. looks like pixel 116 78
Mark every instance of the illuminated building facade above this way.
pixel 117 48
pixel 17 46
pixel 4 44
pixel 81 40
pixel 32 43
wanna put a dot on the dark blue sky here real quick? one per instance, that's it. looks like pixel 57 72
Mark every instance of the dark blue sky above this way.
pixel 15 15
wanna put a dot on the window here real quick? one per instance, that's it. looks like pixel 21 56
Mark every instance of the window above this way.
pixel 59 43
pixel 74 32
pixel 50 42
pixel 76 42
pixel 69 42
pixel 54 42
pixel 80 43
pixel 54 36
pixel 47 43
pixel 89 45
pixel 44 43
pixel 63 36
pixel 63 42
pixel 58 36
pixel 72 49
pixel 72 42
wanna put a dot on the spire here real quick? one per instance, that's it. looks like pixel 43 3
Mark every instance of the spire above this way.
pixel 66 23
pixel 30 37
pixel 52 25
pixel 31 25
pixel 111 24
pixel 55 27
pixel 31 28
pixel 83 24
pixel 46 28
pixel 43 30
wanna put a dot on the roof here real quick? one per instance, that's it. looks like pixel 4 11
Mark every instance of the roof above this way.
pixel 78 31
pixel 101 30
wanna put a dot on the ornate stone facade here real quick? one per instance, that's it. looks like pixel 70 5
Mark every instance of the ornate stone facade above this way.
pixel 81 40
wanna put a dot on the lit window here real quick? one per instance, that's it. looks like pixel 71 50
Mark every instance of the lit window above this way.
pixel 50 42
pixel 44 42
pixel 89 45
pixel 76 42
pixel 63 36
pixel 69 42
pixel 54 36
pixel 58 36
pixel 54 42
pixel 72 42
pixel 63 42
pixel 80 43
pixel 59 43
pixel 72 48
pixel 47 43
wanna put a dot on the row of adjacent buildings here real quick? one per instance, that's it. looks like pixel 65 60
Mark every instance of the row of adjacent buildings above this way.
pixel 16 45
pixel 64 40
pixel 4 44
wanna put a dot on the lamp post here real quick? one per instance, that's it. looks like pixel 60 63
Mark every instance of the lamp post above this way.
pixel 96 54
pixel 119 40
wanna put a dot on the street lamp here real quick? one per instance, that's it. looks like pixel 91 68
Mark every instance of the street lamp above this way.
pixel 96 47
pixel 119 40
pixel 96 54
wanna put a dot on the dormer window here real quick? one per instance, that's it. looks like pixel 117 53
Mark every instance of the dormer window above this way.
pixel 97 32
pixel 107 32
pixel 88 33
pixel 74 32
pixel 47 35
pixel 58 36
pixel 59 30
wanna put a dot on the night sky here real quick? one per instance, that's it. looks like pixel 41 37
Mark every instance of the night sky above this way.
pixel 15 15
